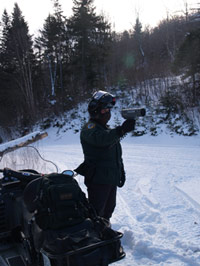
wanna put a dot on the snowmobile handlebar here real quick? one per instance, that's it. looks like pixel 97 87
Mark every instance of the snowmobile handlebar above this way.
pixel 24 175
pixel 133 113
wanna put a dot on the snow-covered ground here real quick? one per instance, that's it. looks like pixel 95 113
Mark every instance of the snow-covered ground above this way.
pixel 158 209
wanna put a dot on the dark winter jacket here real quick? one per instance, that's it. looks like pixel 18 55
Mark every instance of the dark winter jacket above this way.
pixel 102 149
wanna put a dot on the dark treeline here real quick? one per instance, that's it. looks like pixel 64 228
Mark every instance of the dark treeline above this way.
pixel 50 73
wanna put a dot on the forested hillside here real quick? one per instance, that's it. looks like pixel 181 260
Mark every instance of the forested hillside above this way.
pixel 45 75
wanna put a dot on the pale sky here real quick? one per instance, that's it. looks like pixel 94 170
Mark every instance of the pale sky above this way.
pixel 121 13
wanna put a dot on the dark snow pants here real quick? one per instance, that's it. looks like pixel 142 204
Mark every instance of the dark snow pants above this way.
pixel 103 198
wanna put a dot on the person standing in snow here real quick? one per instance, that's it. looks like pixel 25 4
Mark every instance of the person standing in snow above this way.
pixel 103 165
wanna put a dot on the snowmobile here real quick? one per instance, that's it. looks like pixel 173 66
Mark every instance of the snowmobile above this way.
pixel 17 240
pixel 16 243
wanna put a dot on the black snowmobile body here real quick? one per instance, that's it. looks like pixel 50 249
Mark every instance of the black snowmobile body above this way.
pixel 17 247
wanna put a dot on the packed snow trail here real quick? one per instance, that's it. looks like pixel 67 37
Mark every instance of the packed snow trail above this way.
pixel 162 222
pixel 158 209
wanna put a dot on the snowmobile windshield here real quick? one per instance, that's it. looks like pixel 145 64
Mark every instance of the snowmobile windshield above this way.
pixel 28 158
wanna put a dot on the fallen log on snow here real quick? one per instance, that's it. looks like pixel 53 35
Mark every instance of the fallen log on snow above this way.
pixel 21 142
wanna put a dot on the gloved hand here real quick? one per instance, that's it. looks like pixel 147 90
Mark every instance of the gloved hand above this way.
pixel 128 125
pixel 122 179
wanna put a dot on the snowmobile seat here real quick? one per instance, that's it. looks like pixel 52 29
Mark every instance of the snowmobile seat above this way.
pixel 82 245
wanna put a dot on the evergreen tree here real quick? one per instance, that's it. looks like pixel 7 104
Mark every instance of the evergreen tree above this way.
pixel 5 26
pixel 90 35
pixel 53 45
pixel 188 60
pixel 6 108
pixel 17 61
pixel 137 35
pixel 138 50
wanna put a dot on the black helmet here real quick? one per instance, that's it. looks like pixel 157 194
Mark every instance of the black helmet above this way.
pixel 100 100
